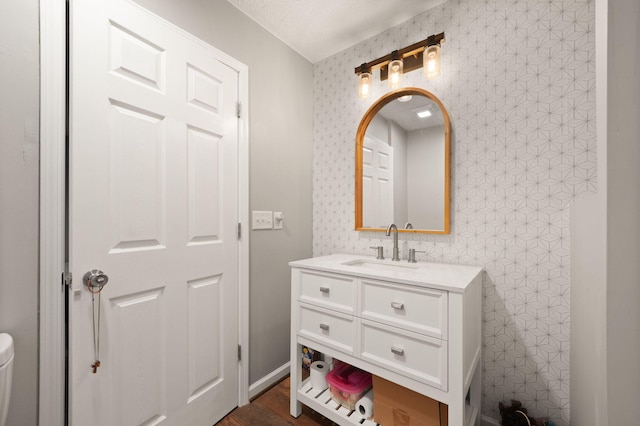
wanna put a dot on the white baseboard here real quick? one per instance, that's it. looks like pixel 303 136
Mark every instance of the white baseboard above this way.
pixel 488 421
pixel 269 380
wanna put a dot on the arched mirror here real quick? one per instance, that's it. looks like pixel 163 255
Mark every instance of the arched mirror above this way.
pixel 403 148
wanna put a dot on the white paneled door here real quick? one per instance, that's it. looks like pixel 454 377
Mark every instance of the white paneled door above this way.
pixel 153 204
pixel 377 183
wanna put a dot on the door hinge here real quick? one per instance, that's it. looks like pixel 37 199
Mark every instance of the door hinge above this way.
pixel 239 353
pixel 238 109
pixel 239 231
pixel 68 278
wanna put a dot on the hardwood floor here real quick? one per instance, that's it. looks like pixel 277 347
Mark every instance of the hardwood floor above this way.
pixel 272 409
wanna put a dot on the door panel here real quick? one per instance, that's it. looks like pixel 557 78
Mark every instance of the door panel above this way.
pixel 204 182
pixel 139 355
pixel 154 204
pixel 377 183
pixel 205 328
pixel 137 185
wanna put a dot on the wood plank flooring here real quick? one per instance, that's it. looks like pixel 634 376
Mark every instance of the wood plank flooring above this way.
pixel 272 409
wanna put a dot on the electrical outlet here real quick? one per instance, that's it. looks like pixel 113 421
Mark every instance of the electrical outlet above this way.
pixel 262 220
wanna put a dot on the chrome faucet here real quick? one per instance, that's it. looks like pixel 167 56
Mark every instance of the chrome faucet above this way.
pixel 395 240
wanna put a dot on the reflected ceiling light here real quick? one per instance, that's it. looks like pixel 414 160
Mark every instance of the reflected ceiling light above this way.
pixel 405 98
pixel 423 54
pixel 424 113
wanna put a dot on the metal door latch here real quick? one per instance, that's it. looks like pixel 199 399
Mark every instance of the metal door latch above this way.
pixel 94 280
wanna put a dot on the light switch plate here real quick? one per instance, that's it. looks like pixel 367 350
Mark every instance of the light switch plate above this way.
pixel 262 220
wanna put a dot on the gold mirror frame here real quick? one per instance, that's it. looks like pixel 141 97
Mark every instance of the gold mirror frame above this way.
pixel 360 135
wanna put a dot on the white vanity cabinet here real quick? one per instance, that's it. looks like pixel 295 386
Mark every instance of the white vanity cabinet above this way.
pixel 418 325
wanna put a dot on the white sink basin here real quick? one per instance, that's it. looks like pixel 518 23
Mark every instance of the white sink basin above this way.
pixel 380 265
pixel 424 274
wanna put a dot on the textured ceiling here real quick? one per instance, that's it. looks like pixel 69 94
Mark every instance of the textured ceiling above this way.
pixel 319 28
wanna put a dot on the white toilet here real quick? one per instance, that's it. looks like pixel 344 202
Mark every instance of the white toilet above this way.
pixel 6 371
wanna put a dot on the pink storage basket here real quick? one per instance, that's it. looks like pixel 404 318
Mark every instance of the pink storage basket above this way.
pixel 348 384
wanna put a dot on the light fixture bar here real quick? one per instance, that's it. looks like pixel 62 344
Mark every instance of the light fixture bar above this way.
pixel 408 54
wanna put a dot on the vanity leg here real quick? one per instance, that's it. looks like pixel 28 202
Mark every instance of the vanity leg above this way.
pixel 456 412
pixel 296 379
pixel 476 393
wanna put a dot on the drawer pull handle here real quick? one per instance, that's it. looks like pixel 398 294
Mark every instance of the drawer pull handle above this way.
pixel 324 290
pixel 397 351
pixel 397 305
pixel 324 327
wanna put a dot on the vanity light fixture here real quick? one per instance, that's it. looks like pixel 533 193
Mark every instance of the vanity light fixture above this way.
pixel 431 57
pixel 395 70
pixel 364 82
pixel 423 54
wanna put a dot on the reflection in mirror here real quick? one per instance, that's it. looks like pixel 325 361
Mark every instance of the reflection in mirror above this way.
pixel 402 164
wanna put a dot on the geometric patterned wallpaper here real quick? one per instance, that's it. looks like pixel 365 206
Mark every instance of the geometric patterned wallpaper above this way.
pixel 518 81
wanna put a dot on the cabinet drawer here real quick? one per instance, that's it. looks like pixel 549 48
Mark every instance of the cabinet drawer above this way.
pixel 330 328
pixel 413 355
pixel 335 292
pixel 411 308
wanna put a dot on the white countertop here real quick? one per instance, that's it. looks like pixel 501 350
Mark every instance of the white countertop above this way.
pixel 442 276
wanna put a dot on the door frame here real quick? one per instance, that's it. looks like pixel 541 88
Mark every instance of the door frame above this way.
pixel 52 379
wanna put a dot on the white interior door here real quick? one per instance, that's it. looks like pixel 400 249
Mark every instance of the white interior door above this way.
pixel 153 204
pixel 377 183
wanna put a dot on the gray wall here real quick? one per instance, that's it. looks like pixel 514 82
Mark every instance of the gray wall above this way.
pixel 399 141
pixel 280 131
pixel 19 121
pixel 605 295
pixel 588 311
pixel 623 211
pixel 589 268
pixel 425 184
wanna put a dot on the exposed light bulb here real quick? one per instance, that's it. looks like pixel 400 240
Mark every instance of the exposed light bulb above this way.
pixel 364 85
pixel 431 61
pixel 395 73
